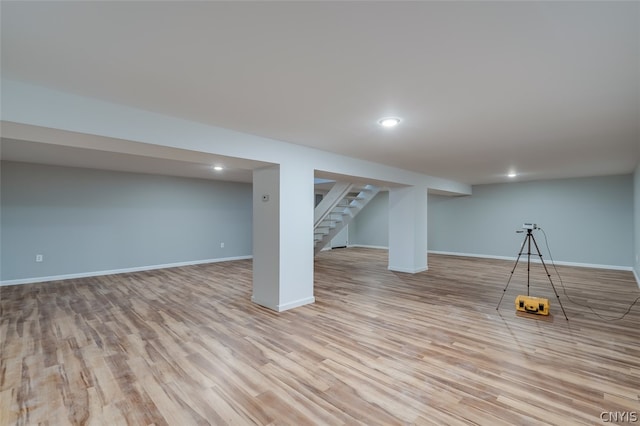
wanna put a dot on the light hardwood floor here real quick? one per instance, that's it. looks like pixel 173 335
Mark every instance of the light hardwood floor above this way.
pixel 186 346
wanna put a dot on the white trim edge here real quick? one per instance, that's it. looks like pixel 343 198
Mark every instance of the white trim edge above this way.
pixel 534 260
pixel 119 271
pixel 284 306
pixel 367 246
pixel 511 258
pixel 407 270
pixel 635 274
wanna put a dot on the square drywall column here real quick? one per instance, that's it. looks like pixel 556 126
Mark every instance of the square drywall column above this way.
pixel 266 237
pixel 283 236
pixel 408 229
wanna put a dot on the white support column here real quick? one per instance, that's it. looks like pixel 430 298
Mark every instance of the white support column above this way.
pixel 283 236
pixel 408 229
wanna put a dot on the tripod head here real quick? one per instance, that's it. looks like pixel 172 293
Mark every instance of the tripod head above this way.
pixel 529 227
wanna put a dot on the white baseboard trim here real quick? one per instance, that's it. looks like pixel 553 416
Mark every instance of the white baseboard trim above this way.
pixel 407 270
pixel 390 268
pixel 513 258
pixel 284 306
pixel 295 303
pixel 635 274
pixel 119 271
pixel 534 260
pixel 367 246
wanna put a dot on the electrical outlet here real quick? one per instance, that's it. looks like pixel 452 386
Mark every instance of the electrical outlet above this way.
pixel 221 245
pixel 39 258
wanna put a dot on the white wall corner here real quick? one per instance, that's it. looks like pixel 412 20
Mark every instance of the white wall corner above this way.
pixel 257 301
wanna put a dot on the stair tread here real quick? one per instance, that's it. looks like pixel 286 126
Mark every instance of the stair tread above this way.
pixel 343 211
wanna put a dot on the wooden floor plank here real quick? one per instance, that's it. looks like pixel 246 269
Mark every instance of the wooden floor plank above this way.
pixel 186 346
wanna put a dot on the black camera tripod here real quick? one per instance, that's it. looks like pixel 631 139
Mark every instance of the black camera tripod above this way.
pixel 527 240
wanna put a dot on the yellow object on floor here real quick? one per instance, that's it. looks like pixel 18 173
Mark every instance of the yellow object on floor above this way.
pixel 532 305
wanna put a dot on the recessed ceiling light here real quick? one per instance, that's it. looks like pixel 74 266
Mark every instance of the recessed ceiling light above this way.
pixel 389 122
pixel 217 168
pixel 512 174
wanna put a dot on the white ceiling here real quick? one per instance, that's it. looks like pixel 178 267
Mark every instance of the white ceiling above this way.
pixel 550 89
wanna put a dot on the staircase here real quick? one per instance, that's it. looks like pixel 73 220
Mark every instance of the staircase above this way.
pixel 343 202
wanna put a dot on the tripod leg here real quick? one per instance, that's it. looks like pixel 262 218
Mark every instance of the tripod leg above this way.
pixel 529 236
pixel 549 276
pixel 512 271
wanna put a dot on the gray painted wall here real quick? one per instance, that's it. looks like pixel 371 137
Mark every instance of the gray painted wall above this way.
pixel 636 220
pixel 371 226
pixel 587 220
pixel 86 221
